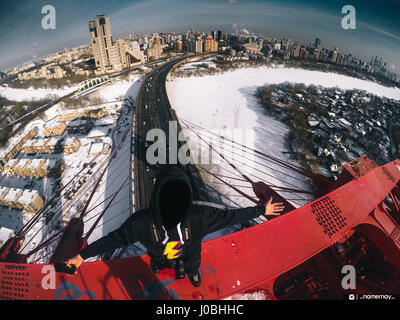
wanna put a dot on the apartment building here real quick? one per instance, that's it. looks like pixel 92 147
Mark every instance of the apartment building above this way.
pixel 52 145
pixel 28 200
pixel 96 113
pixel 54 129
pixel 40 145
pixel 3 193
pixel 31 201
pixel 80 126
pixel 37 168
pixel 11 198
pixel 10 167
pixel 210 45
pixel 34 168
pixel 105 52
pixel 97 148
pixel 29 147
pixel 91 114
pixel 71 145
pixel 21 169
pixel 16 148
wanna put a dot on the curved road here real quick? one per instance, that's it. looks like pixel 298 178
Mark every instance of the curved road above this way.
pixel 153 110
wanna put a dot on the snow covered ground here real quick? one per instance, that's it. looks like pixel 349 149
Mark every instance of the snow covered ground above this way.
pixel 226 101
pixel 123 89
pixel 16 94
pixel 109 92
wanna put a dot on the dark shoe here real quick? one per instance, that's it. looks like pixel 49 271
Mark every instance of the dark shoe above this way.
pixel 179 270
pixel 195 278
pixel 156 268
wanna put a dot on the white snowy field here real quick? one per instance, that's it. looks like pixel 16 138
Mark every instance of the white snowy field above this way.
pixel 227 101
pixel 124 89
pixel 16 94
pixel 109 92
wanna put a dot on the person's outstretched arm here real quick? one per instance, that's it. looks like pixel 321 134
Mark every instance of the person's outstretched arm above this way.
pixel 216 219
pixel 126 234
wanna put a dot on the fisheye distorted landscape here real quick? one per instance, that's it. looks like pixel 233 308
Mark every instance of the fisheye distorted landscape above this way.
pixel 199 150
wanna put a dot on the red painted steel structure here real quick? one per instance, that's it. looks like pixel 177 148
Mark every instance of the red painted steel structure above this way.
pixel 298 255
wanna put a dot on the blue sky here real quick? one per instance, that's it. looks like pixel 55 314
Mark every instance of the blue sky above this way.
pixel 377 33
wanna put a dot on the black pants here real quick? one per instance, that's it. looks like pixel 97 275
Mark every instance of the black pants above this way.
pixel 191 259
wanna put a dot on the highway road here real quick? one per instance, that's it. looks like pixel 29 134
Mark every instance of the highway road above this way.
pixel 153 110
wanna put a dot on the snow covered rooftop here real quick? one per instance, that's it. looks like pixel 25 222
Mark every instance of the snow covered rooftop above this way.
pixel 53 141
pixel 3 192
pixel 99 132
pixel 29 143
pixel 5 234
pixel 13 195
pixel 22 162
pixel 11 162
pixel 53 125
pixel 108 121
pixel 96 147
pixel 70 140
pixel 28 196
pixel 35 163
pixel 41 142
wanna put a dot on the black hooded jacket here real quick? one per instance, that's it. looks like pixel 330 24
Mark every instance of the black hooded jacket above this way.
pixel 174 225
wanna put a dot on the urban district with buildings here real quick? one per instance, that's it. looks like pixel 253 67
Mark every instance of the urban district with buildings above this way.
pixel 328 126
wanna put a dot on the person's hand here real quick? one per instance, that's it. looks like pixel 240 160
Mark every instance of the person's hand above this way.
pixel 75 261
pixel 273 209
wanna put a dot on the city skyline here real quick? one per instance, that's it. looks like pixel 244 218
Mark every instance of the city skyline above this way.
pixel 376 34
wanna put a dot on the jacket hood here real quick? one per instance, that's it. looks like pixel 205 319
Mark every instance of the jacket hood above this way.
pixel 170 198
